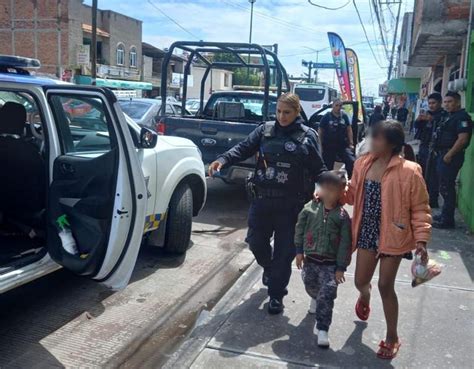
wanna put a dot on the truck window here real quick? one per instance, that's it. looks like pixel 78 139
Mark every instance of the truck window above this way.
pixel 253 106
pixel 310 94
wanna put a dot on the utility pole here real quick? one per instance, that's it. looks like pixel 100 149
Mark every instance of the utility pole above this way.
pixel 94 43
pixel 309 65
pixel 250 34
pixel 390 67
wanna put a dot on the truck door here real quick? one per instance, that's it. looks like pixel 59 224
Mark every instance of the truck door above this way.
pixel 96 186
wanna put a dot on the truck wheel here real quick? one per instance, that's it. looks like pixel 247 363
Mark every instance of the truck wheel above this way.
pixel 179 220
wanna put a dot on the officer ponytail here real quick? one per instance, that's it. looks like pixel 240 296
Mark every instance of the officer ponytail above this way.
pixel 394 134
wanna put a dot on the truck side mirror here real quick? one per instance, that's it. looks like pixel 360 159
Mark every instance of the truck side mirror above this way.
pixel 148 138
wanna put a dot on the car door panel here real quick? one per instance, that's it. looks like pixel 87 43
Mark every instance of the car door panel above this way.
pixel 99 186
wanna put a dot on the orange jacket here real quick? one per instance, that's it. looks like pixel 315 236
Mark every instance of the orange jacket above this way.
pixel 406 215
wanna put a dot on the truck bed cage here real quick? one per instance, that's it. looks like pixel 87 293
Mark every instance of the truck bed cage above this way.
pixel 198 50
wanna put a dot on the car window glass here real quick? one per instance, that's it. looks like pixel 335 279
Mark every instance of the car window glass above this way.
pixel 83 124
pixel 253 105
pixel 169 109
pixel 33 126
pixel 135 109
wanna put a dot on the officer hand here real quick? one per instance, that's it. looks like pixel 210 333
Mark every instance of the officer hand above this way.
pixel 214 167
pixel 447 158
pixel 340 277
pixel 299 260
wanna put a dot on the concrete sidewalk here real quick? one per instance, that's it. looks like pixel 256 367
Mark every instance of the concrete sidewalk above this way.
pixel 435 324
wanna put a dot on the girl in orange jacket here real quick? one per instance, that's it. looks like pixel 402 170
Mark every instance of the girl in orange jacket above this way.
pixel 391 218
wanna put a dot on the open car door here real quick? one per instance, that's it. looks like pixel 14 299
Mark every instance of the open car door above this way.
pixel 96 184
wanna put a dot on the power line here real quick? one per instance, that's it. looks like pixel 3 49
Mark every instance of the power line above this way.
pixel 365 33
pixel 378 16
pixel 174 21
pixel 327 8
pixel 312 52
pixel 279 21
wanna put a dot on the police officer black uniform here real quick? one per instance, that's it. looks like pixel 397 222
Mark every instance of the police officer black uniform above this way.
pixel 289 161
pixel 425 126
pixel 451 138
pixel 335 132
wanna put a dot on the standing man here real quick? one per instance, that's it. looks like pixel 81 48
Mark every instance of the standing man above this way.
pixel 335 133
pixel 451 138
pixel 289 161
pixel 402 115
pixel 425 126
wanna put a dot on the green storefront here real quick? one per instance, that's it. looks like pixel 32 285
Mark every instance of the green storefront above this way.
pixel 466 197
pixel 113 83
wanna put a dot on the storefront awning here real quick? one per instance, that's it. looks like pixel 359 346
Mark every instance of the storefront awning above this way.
pixel 100 32
pixel 114 83
pixel 404 86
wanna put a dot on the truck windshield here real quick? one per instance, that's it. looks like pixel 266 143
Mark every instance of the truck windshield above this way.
pixel 253 105
pixel 310 94
pixel 135 109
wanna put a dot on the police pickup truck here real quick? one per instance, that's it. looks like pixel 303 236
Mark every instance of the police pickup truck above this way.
pixel 71 159
pixel 229 116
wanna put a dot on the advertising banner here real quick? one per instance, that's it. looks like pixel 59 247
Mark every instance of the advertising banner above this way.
pixel 354 79
pixel 338 52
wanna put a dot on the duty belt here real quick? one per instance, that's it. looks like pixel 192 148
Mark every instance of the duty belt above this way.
pixel 272 193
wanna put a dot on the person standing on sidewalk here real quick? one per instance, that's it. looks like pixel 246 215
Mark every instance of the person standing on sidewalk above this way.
pixel 335 133
pixel 391 218
pixel 376 116
pixel 289 161
pixel 425 126
pixel 323 249
pixel 451 138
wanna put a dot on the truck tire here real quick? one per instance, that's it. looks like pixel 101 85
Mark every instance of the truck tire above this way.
pixel 179 220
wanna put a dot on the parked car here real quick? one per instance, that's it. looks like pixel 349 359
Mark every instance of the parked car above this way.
pixel 116 184
pixel 192 105
pixel 146 111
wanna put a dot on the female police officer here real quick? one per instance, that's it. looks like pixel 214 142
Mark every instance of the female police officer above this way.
pixel 289 161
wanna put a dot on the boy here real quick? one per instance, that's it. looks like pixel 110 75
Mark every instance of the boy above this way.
pixel 323 249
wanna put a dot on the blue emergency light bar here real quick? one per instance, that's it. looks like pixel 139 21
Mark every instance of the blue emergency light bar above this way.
pixel 12 61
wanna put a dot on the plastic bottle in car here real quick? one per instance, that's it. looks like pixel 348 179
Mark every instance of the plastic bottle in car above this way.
pixel 67 239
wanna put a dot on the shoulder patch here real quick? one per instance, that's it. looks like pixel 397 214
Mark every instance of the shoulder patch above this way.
pixel 464 124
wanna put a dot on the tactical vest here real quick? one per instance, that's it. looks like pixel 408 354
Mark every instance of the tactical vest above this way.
pixel 335 134
pixel 446 134
pixel 281 162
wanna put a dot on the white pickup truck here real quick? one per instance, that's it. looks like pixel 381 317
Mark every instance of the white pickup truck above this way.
pixel 69 152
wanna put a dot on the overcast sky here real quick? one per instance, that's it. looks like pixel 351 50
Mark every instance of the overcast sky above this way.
pixel 294 24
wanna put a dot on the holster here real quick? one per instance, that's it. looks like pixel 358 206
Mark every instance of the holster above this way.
pixel 250 186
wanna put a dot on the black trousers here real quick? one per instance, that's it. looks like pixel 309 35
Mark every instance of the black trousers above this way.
pixel 274 217
pixel 344 154
pixel 428 165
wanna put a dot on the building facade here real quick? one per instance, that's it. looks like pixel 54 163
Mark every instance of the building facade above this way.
pixel 437 56
pixel 59 32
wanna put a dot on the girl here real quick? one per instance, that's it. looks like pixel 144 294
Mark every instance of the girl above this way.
pixel 391 218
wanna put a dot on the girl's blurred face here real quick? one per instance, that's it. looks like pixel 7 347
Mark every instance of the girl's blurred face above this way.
pixel 379 145
pixel 286 114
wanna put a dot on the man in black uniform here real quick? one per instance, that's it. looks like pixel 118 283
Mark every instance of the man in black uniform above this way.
pixel 289 161
pixel 451 138
pixel 335 133
pixel 425 126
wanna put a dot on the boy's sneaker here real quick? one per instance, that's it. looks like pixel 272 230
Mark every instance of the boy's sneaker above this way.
pixel 323 339
pixel 312 307
pixel 275 306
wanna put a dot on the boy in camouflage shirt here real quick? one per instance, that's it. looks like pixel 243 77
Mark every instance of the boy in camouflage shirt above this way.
pixel 323 249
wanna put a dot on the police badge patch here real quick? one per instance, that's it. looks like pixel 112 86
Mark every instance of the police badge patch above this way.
pixel 464 124
pixel 270 173
pixel 290 146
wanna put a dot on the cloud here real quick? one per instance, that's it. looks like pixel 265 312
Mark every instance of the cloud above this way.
pixel 293 24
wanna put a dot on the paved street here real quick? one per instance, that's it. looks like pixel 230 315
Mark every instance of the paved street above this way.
pixel 435 323
pixel 66 321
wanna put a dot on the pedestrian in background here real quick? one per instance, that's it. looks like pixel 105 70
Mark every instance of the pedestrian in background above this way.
pixel 402 115
pixel 377 116
pixel 289 161
pixel 335 133
pixel 452 137
pixel 323 249
pixel 386 183
pixel 425 126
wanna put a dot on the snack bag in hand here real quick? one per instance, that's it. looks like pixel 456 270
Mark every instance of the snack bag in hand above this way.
pixel 423 273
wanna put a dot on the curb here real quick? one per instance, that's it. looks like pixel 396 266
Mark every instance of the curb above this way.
pixel 208 325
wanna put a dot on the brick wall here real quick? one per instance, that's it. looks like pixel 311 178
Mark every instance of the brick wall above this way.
pixel 37 29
